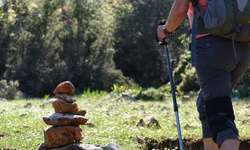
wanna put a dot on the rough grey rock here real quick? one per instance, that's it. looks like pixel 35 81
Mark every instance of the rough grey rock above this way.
pixel 61 119
pixel 112 146
pixel 83 146
pixel 90 125
pixel 51 100
pixel 3 100
pixel 127 95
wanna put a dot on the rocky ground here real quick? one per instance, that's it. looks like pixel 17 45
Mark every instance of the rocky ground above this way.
pixel 83 146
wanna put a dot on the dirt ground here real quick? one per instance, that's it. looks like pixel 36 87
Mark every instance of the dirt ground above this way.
pixel 189 144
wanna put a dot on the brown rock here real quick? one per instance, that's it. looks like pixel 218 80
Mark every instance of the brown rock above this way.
pixel 65 88
pixel 81 112
pixel 59 119
pixel 141 123
pixel 90 125
pixel 65 97
pixel 62 136
pixel 154 123
pixel 61 106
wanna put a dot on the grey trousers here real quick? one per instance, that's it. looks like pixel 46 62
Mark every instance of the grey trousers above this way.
pixel 219 68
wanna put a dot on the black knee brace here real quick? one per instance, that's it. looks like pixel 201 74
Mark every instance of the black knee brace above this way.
pixel 221 119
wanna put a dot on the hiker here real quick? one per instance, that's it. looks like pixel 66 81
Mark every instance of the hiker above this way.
pixel 219 62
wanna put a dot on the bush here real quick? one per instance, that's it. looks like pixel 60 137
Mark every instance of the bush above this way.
pixel 189 80
pixel 138 55
pixel 152 94
pixel 185 75
pixel 241 91
pixel 165 88
pixel 185 59
pixel 9 89
pixel 48 42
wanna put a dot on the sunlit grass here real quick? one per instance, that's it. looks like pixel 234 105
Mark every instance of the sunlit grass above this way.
pixel 115 120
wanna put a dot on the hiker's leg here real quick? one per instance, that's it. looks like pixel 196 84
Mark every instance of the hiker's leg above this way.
pixel 208 142
pixel 215 61
pixel 230 144
pixel 243 53
pixel 221 119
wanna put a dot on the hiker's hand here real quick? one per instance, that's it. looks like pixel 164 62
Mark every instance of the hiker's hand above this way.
pixel 162 35
pixel 161 32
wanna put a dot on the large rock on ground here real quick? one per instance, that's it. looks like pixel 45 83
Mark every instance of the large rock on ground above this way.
pixel 61 136
pixel 60 119
pixel 65 88
pixel 61 106
pixel 3 100
pixel 65 97
pixel 83 146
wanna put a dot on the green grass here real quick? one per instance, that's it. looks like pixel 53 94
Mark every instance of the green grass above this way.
pixel 115 121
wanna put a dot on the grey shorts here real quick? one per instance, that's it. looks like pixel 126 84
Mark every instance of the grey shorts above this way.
pixel 219 68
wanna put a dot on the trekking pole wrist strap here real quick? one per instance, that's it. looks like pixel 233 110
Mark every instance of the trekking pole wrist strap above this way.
pixel 167 33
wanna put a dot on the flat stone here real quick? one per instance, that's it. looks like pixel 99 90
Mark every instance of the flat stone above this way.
pixel 83 146
pixel 67 98
pixel 61 136
pixel 60 119
pixel 65 88
pixel 61 106
pixel 3 100
pixel 81 112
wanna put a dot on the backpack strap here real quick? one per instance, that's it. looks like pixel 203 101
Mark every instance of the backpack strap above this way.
pixel 194 33
pixel 194 29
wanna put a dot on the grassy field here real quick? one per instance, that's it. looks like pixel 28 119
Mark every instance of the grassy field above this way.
pixel 115 120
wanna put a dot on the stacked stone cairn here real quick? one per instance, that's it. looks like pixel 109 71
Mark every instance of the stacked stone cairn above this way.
pixel 66 120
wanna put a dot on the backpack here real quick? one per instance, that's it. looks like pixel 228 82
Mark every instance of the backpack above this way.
pixel 225 18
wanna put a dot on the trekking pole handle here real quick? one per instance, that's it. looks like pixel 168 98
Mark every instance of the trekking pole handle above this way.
pixel 165 41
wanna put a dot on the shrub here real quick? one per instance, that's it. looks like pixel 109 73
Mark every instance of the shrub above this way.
pixel 185 75
pixel 165 88
pixel 185 59
pixel 241 91
pixel 152 94
pixel 58 41
pixel 9 89
pixel 133 89
pixel 189 80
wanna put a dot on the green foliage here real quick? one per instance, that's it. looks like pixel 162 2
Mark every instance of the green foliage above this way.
pixel 241 91
pixel 242 88
pixel 152 94
pixel 46 42
pixel 185 75
pixel 185 59
pixel 189 80
pixel 46 97
pixel 94 94
pixel 138 55
pixel 118 89
pixel 9 89
pixel 165 88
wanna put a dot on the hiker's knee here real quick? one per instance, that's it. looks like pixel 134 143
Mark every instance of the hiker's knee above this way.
pixel 221 119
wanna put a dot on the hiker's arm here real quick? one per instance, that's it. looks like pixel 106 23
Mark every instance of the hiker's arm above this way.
pixel 177 14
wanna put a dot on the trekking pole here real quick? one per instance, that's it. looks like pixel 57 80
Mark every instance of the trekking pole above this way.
pixel 174 98
pixel 165 42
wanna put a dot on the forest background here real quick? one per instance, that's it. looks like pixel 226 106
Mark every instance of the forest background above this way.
pixel 94 44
